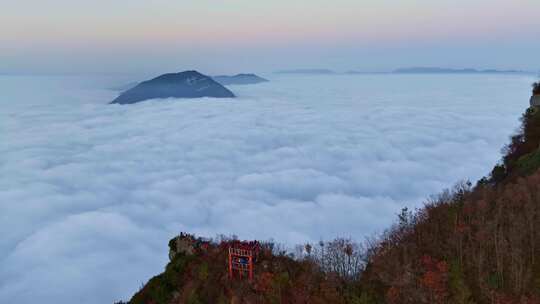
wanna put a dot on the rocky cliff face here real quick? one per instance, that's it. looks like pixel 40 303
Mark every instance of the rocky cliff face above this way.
pixel 535 99
pixel 189 84
pixel 536 88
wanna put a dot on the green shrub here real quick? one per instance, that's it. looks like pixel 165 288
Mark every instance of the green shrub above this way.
pixel 498 173
pixel 160 288
pixel 203 271
pixel 363 298
pixel 529 163
pixel 155 290
pixel 194 298
pixel 460 292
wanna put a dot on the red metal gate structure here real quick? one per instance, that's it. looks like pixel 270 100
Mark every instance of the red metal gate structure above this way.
pixel 242 256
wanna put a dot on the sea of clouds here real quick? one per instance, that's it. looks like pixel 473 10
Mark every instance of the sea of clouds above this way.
pixel 90 193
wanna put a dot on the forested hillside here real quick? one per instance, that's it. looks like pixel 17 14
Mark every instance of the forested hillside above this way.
pixel 471 244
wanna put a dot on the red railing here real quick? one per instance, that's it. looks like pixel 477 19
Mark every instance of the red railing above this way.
pixel 241 262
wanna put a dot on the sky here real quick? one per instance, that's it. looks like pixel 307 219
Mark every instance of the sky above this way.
pixel 218 36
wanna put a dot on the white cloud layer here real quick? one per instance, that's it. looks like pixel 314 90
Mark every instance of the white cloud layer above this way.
pixel 90 193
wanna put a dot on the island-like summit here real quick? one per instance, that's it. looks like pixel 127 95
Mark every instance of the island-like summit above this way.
pixel 188 84
pixel 239 79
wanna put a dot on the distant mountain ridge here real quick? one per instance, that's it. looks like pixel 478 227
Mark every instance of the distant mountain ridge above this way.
pixel 188 84
pixel 307 71
pixel 438 70
pixel 239 79
pixel 408 70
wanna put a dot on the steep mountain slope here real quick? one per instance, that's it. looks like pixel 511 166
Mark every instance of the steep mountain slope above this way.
pixel 471 244
pixel 198 273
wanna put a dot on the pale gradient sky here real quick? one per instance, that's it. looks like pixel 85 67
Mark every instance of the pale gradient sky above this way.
pixel 127 36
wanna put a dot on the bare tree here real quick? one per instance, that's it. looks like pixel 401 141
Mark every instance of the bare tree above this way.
pixel 340 256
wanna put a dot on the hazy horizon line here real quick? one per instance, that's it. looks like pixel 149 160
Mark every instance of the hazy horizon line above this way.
pixel 289 71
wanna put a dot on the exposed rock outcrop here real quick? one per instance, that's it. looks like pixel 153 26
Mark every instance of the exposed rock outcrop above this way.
pixel 182 244
pixel 535 99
